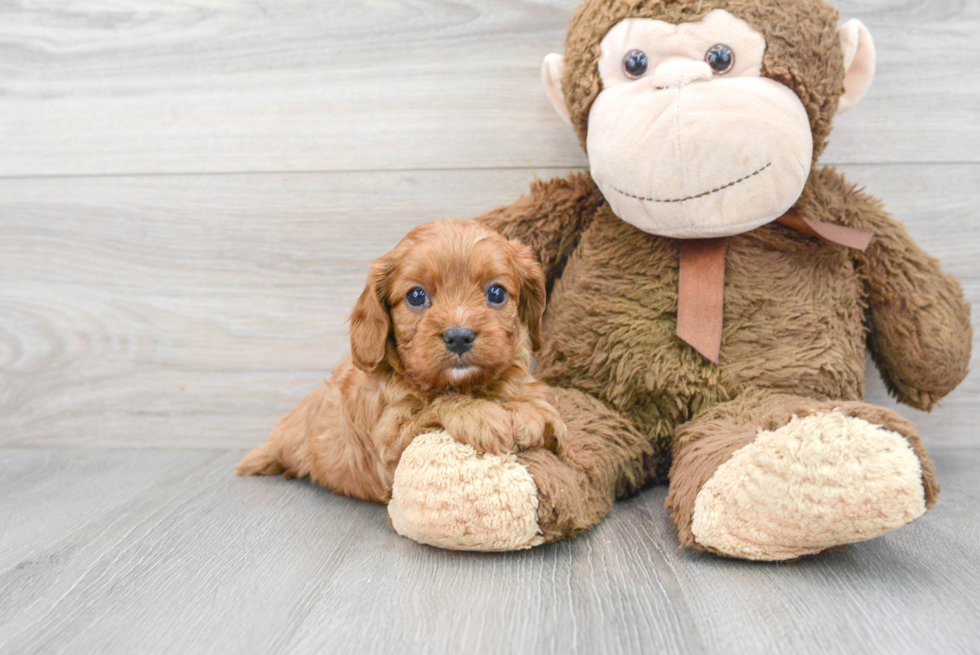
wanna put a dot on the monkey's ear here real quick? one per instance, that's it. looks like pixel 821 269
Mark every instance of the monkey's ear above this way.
pixel 370 323
pixel 859 62
pixel 533 293
pixel 552 71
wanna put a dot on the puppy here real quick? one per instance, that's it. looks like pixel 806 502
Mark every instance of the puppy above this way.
pixel 441 337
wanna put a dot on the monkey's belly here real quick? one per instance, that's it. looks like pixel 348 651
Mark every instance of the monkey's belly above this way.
pixel 793 322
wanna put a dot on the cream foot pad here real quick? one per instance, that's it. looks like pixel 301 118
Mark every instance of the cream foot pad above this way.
pixel 817 482
pixel 445 494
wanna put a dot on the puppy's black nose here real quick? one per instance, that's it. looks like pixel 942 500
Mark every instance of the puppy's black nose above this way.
pixel 459 339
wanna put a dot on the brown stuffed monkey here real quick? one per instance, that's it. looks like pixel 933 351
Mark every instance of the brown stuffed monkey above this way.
pixel 711 296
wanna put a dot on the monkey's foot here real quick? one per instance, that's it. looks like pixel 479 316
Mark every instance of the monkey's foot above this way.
pixel 446 494
pixel 820 481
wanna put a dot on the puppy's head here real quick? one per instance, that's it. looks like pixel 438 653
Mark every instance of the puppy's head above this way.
pixel 452 307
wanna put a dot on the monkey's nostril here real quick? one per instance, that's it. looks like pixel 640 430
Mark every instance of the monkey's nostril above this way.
pixel 459 339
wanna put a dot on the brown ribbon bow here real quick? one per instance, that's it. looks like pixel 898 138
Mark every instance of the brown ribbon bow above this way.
pixel 701 288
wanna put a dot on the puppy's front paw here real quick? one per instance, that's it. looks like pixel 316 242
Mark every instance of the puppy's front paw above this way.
pixel 486 426
pixel 556 435
pixel 537 425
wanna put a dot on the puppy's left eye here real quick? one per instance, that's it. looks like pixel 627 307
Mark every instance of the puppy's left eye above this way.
pixel 496 295
pixel 417 297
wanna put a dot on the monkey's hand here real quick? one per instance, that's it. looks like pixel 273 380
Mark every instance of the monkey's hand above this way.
pixel 920 335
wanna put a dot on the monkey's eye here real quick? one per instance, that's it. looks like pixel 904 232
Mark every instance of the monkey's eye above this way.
pixel 635 64
pixel 417 297
pixel 721 58
pixel 496 295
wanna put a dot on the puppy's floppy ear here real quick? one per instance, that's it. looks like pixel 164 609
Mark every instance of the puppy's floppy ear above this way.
pixel 533 293
pixel 370 323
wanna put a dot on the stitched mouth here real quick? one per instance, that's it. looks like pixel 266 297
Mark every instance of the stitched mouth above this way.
pixel 700 195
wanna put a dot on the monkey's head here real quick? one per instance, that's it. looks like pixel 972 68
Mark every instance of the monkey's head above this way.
pixel 702 118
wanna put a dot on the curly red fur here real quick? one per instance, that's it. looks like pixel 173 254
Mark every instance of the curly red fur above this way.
pixel 401 380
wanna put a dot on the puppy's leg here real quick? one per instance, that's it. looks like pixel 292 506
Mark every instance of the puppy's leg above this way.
pixel 499 427
pixel 537 425
pixel 483 424
pixel 287 451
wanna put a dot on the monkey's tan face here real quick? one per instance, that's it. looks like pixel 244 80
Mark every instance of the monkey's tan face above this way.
pixel 686 139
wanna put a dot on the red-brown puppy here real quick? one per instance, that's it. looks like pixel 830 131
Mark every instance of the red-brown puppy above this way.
pixel 442 337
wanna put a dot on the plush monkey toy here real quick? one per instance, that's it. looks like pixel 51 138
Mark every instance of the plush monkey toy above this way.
pixel 711 295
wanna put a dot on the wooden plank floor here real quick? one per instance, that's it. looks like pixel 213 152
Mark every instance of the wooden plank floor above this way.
pixel 145 551
pixel 190 194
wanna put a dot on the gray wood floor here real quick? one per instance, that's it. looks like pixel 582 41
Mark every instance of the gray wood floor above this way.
pixel 190 194
pixel 162 551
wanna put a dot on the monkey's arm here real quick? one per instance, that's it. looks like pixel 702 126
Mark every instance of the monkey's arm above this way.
pixel 549 219
pixel 920 335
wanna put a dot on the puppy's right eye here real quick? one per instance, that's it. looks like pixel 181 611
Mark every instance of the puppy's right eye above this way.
pixel 496 295
pixel 417 297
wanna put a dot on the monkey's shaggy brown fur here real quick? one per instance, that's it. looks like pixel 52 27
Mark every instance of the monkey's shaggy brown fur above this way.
pixel 799 312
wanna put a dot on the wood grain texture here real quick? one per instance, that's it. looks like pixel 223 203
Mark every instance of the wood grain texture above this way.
pixel 47 495
pixel 173 311
pixel 200 86
pixel 190 195
pixel 197 560
pixel 193 311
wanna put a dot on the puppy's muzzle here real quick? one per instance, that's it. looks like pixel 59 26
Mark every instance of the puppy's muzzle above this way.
pixel 459 339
